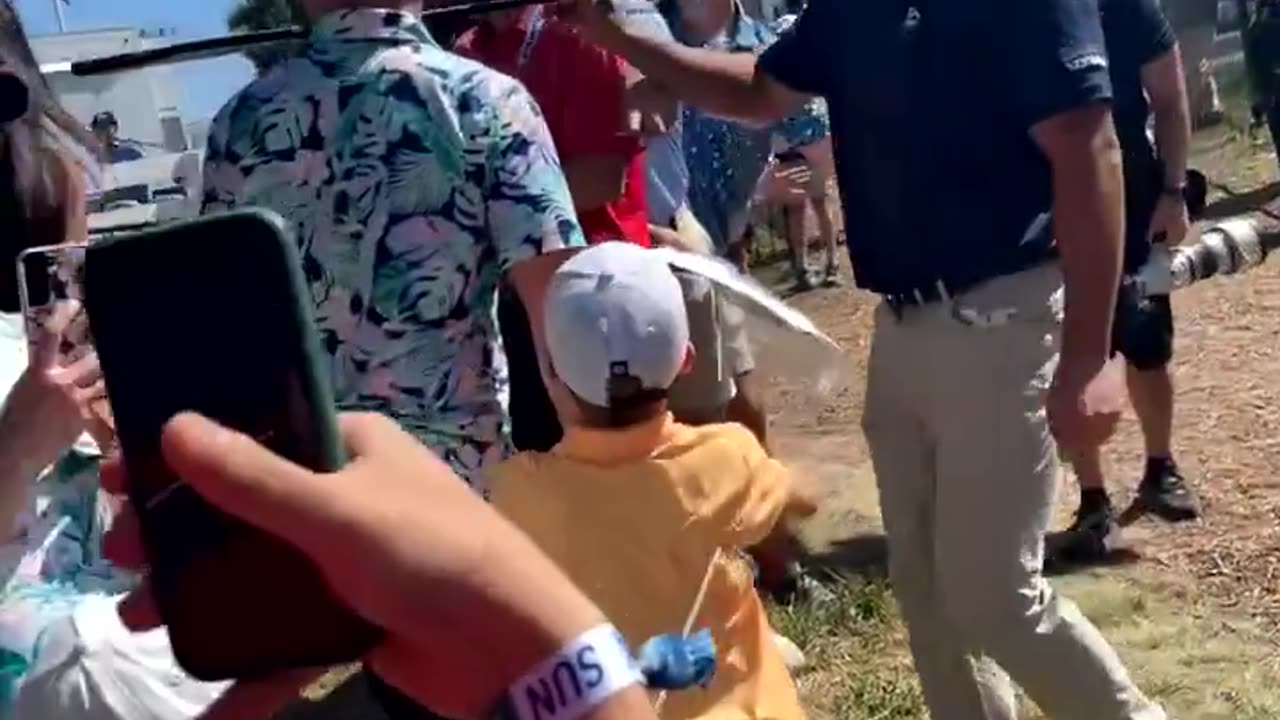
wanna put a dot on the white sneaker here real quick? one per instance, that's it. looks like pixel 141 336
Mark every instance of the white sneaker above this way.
pixel 792 656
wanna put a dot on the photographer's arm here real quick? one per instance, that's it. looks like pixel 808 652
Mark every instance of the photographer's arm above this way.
pixel 39 419
pixel 22 458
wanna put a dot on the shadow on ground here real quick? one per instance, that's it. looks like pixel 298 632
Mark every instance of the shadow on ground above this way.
pixel 1240 203
pixel 1062 559
pixel 865 555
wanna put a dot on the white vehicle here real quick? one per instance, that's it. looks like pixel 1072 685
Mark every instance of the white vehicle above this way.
pixel 162 185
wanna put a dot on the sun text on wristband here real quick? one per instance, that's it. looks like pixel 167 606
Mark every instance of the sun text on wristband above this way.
pixel 575 681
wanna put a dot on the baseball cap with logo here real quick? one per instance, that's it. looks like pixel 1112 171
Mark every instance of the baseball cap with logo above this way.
pixel 106 118
pixel 616 324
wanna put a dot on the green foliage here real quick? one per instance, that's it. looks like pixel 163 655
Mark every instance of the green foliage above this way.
pixel 252 15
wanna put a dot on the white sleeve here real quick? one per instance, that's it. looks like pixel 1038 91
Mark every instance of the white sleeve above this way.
pixel 57 684
pixel 88 666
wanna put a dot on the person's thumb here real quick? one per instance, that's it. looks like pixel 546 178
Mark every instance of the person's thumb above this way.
pixel 245 479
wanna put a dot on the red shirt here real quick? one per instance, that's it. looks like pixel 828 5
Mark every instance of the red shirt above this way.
pixel 580 89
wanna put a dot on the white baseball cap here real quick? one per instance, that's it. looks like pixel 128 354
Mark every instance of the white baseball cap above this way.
pixel 616 323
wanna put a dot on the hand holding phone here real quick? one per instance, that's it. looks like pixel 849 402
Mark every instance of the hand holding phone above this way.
pixel 61 353
pixel 62 395
pixel 239 346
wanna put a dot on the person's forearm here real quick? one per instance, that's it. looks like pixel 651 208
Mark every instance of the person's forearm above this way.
pixel 528 628
pixel 715 82
pixel 529 279
pixel 1088 212
pixel 16 474
pixel 22 459
pixel 1173 138
pixel 630 704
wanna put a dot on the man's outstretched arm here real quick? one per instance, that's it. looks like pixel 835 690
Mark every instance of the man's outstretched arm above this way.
pixel 729 85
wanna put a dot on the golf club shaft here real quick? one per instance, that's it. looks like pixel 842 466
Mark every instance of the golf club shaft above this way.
pixel 231 44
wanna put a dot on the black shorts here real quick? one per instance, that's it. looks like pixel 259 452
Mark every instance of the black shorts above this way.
pixel 534 424
pixel 1143 330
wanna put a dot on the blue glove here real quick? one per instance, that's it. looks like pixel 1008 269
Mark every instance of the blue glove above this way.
pixel 672 662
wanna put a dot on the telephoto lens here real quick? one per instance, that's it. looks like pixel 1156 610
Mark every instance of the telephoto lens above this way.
pixel 1227 248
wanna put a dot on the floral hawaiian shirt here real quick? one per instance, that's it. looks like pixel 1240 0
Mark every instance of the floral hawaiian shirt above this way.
pixel 415 179
pixel 726 159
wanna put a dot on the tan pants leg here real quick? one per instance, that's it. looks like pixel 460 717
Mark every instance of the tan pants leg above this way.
pixel 966 468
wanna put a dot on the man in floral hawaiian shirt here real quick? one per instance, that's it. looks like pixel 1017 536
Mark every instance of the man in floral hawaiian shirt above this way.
pixel 416 180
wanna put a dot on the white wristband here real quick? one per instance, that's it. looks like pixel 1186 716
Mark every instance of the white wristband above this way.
pixel 577 680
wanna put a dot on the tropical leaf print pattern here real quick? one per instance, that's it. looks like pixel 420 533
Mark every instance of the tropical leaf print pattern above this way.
pixel 415 179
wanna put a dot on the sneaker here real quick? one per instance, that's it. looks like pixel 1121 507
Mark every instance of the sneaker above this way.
pixel 831 278
pixel 792 656
pixel 1166 494
pixel 804 283
pixel 811 591
pixel 1090 539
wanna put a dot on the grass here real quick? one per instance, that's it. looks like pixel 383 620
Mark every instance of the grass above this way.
pixel 1198 661
pixel 856 648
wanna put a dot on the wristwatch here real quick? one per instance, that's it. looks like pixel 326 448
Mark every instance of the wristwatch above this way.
pixel 1175 191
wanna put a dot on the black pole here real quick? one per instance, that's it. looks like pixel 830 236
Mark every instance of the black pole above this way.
pixel 184 52
pixel 231 44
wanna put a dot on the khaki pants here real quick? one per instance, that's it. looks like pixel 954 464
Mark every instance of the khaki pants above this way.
pixel 967 474
pixel 717 330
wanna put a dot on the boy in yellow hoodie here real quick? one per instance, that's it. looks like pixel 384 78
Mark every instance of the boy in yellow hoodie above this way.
pixel 634 506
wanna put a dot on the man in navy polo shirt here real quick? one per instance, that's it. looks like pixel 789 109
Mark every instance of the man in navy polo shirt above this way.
pixel 980 173
pixel 1146 80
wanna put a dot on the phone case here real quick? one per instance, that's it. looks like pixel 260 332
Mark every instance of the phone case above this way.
pixel 214 316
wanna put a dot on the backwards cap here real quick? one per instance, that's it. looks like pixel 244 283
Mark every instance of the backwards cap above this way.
pixel 616 323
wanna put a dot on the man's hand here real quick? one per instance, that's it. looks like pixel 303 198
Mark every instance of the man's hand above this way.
pixel 1085 402
pixel 1169 223
pixel 786 183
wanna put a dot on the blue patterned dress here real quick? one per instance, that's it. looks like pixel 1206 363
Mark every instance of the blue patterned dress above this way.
pixel 727 159
pixel 415 179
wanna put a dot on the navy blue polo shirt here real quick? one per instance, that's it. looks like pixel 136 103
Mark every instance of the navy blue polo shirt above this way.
pixel 931 107
pixel 1137 34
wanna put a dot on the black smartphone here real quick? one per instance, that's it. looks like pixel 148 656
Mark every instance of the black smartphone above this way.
pixel 213 316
